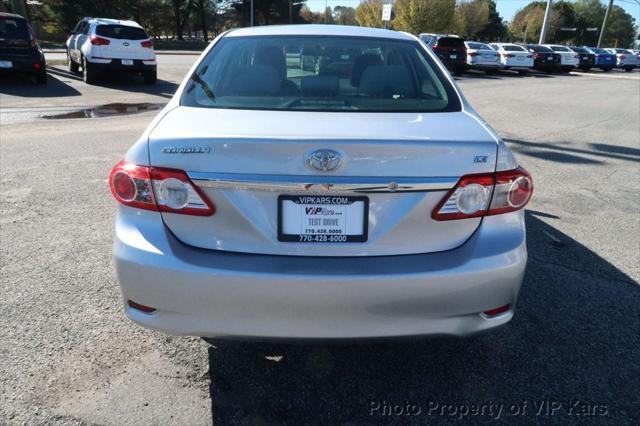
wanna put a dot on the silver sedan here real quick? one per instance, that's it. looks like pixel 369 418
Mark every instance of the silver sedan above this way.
pixel 363 198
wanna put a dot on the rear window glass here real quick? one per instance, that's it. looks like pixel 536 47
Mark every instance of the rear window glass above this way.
pixel 560 49
pixel 13 29
pixel 601 51
pixel 537 48
pixel 579 49
pixel 513 48
pixel 450 42
pixel 478 46
pixel 121 32
pixel 331 73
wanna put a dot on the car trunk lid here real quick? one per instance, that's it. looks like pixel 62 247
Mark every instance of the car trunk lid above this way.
pixel 244 161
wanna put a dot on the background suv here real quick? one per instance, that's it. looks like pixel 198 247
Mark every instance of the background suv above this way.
pixel 449 48
pixel 98 44
pixel 19 49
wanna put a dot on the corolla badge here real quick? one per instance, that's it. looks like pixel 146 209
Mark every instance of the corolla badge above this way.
pixel 125 44
pixel 324 160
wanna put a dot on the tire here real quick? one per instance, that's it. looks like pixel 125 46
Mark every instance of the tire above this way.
pixel 150 77
pixel 73 67
pixel 523 72
pixel 41 77
pixel 88 73
pixel 606 69
pixel 628 69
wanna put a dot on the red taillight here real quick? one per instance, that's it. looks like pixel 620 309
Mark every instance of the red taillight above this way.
pixel 473 54
pixel 158 189
pixel 147 43
pixel 37 66
pixel 623 57
pixel 485 195
pixel 539 55
pixel 99 41
pixel 529 56
pixel 508 55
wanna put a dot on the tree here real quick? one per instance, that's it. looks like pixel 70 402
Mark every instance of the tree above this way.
pixel 495 28
pixel 369 13
pixel 471 17
pixel 620 29
pixel 344 15
pixel 418 16
pixel 181 11
pixel 527 23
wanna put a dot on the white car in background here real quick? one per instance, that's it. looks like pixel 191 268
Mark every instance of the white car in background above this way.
pixel 568 58
pixel 481 56
pixel 625 59
pixel 101 45
pixel 514 57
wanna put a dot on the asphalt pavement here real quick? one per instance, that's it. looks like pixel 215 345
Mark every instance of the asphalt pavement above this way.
pixel 68 355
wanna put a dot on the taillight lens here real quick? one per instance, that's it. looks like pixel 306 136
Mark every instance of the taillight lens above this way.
pixel 473 54
pixel 485 195
pixel 623 57
pixel 158 189
pixel 99 41
pixel 147 43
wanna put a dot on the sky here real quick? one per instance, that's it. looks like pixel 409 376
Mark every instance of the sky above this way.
pixel 506 8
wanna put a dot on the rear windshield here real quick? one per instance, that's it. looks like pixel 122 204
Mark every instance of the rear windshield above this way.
pixel 121 32
pixel 13 29
pixel 513 48
pixel 478 46
pixel 332 73
pixel 579 50
pixel 560 49
pixel 450 42
pixel 601 51
pixel 537 48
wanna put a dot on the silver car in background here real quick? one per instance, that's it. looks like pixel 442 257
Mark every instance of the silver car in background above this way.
pixel 268 201
pixel 625 59
pixel 481 56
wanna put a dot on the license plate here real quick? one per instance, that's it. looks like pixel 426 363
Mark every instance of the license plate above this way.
pixel 585 58
pixel 489 57
pixel 127 62
pixel 6 64
pixel 550 58
pixel 453 56
pixel 521 58
pixel 322 219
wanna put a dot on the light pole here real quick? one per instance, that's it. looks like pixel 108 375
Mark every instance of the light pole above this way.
pixel 604 24
pixel 251 12
pixel 545 23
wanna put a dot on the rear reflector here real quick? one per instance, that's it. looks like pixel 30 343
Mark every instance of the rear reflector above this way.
pixel 143 308
pixel 158 189
pixel 497 311
pixel 485 195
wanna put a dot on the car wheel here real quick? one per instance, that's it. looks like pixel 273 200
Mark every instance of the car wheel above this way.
pixel 523 72
pixel 73 67
pixel 88 73
pixel 150 77
pixel 606 69
pixel 628 69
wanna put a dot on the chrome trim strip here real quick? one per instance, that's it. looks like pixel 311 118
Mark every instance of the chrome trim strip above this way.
pixel 288 183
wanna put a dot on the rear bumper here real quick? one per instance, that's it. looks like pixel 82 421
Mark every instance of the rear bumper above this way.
pixel 116 65
pixel 207 293
pixel 24 64
pixel 485 66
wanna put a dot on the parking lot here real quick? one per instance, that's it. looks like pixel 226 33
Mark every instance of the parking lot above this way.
pixel 69 355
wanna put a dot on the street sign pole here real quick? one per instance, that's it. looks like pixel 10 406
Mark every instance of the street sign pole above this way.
pixel 386 15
